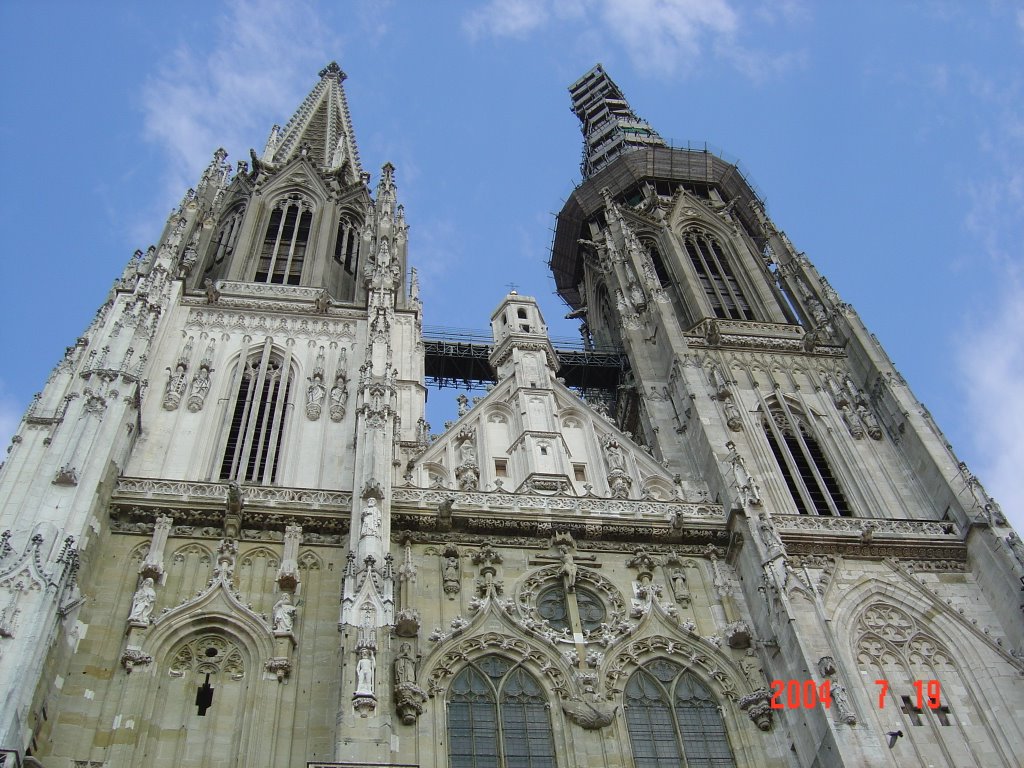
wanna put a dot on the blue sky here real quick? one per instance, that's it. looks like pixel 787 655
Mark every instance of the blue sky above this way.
pixel 886 138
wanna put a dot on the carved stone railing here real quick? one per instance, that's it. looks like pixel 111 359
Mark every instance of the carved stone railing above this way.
pixel 870 537
pixel 268 290
pixel 746 334
pixel 855 526
pixel 496 501
pixel 184 491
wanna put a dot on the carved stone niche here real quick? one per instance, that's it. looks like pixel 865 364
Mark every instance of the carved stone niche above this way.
pixel 407 622
pixel 737 635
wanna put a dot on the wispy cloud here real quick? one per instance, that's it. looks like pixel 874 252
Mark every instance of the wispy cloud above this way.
pixel 264 51
pixel 660 37
pixel 991 351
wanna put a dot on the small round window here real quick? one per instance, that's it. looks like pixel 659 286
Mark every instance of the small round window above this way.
pixel 553 608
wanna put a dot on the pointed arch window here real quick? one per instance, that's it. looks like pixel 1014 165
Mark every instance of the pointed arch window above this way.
pixel 674 720
pixel 801 461
pixel 223 243
pixel 346 246
pixel 716 276
pixel 284 245
pixel 252 452
pixel 498 717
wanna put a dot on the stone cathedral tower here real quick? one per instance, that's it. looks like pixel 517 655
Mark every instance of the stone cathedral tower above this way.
pixel 230 539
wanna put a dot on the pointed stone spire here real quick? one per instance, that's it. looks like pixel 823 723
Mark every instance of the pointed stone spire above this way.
pixel 321 128
pixel 609 126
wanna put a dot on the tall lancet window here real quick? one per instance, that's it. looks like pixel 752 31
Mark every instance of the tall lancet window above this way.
pixel 674 720
pixel 346 246
pixel 284 245
pixel 223 243
pixel 258 414
pixel 808 477
pixel 498 717
pixel 716 276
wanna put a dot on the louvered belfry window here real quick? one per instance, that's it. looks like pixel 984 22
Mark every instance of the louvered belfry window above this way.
pixel 808 476
pixel 498 717
pixel 223 244
pixel 674 720
pixel 253 450
pixel 716 276
pixel 284 245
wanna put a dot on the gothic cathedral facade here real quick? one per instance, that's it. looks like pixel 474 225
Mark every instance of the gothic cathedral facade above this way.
pixel 230 539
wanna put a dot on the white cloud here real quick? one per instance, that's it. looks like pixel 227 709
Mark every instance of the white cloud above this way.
pixel 263 51
pixel 992 367
pixel 660 37
pixel 664 36
pixel 507 18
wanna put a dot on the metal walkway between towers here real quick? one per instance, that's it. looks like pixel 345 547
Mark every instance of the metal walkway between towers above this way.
pixel 456 357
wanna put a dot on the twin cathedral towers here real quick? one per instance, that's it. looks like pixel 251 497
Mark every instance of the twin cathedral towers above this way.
pixel 723 532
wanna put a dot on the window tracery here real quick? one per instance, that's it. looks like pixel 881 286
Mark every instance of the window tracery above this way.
pixel 253 448
pixel 716 276
pixel 223 243
pixel 498 715
pixel 807 474
pixel 284 245
pixel 674 719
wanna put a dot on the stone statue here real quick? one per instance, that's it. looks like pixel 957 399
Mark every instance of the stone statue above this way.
pixel 370 521
pixel 176 383
pixel 284 614
pixel 679 583
pixel 1016 546
pixel 405 666
pixel 200 389
pixel 365 669
pixel 769 535
pixel 568 569
pixel 315 396
pixel 468 451
pixel 143 601
pixel 613 455
pixel 843 706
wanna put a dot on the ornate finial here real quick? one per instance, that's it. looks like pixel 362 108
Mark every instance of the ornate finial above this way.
pixel 333 70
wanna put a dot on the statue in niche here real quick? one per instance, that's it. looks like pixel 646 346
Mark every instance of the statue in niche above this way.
pixel 679 589
pixel 339 392
pixel 405 666
pixel 143 601
pixel 852 423
pixel 176 384
pixel 467 451
pixel 200 389
pixel 315 396
pixel 369 526
pixel 613 455
pixel 450 572
pixel 874 431
pixel 365 670
pixel 283 614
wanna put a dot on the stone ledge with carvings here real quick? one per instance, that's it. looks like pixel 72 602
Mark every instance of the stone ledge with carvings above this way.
pixel 748 334
pixel 496 501
pixel 875 527
pixel 253 496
